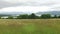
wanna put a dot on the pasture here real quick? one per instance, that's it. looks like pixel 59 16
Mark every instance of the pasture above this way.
pixel 29 26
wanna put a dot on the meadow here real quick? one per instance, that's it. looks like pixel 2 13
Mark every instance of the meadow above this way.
pixel 29 26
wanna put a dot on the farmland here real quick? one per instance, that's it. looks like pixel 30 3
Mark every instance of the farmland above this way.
pixel 29 26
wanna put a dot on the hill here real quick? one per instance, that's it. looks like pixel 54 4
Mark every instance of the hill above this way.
pixel 49 12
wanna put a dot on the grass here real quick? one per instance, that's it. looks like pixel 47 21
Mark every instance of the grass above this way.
pixel 29 26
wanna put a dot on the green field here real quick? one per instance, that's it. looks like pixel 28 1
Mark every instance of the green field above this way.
pixel 29 26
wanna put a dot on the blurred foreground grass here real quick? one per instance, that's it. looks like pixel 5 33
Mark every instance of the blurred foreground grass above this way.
pixel 29 26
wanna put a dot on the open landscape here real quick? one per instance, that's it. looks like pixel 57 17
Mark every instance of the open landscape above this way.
pixel 29 16
pixel 29 26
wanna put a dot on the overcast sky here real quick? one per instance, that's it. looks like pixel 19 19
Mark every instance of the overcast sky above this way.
pixel 29 5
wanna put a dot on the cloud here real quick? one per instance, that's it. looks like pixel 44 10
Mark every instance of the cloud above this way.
pixel 42 4
pixel 12 3
pixel 26 8
pixel 4 4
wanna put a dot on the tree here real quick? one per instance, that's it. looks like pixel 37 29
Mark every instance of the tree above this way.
pixel 32 16
pixel 55 16
pixel 10 17
pixel 24 16
pixel 45 16
pixel 0 17
pixel 58 16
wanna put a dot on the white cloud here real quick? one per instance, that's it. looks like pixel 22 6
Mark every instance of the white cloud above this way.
pixel 32 2
pixel 26 8
pixel 29 5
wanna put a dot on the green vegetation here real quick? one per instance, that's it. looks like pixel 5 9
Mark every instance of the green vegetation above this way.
pixel 32 16
pixel 10 17
pixel 24 16
pixel 45 16
pixel 30 26
pixel 55 16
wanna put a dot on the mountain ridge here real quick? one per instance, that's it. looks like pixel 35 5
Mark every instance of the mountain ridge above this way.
pixel 50 12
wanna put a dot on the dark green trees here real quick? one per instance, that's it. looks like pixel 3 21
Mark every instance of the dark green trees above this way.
pixel 58 16
pixel 32 16
pixel 55 16
pixel 45 16
pixel 24 16
pixel 0 17
pixel 10 17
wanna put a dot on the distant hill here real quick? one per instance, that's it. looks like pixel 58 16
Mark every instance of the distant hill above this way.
pixel 50 12
pixel 12 13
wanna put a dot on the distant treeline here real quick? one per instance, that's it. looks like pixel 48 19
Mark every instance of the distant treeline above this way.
pixel 33 16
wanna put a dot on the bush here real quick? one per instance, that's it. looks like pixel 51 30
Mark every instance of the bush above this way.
pixel 10 17
pixel 45 16
pixel 24 16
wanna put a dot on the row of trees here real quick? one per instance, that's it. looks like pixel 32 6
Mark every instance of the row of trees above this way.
pixel 33 16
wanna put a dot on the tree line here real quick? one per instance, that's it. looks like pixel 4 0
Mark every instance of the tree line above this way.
pixel 33 16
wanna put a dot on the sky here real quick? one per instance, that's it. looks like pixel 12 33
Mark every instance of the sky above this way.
pixel 29 5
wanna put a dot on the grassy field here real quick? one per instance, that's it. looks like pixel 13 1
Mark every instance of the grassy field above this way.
pixel 29 26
